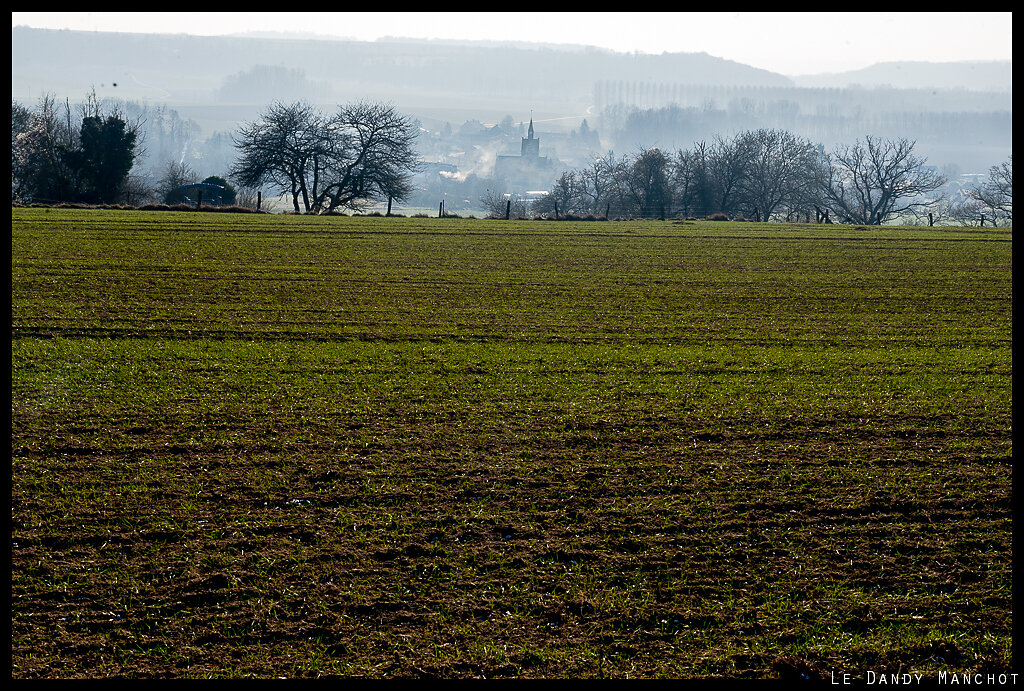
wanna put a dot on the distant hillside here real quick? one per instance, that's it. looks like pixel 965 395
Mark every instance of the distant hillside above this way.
pixel 177 68
pixel 995 75
pixel 633 100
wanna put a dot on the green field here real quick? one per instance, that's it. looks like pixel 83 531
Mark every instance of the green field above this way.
pixel 254 445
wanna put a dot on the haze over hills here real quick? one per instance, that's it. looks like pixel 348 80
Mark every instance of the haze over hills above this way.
pixel 988 75
pixel 191 68
pixel 414 73
pixel 960 113
pixel 983 75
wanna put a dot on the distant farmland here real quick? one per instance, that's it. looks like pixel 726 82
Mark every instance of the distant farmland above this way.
pixel 251 445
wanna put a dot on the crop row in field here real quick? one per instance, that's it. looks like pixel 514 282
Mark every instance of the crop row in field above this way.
pixel 251 445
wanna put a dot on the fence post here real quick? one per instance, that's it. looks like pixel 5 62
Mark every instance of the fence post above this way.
pixel 440 209
pixel 508 209
pixel 199 200
pixel 259 199
pixel 930 219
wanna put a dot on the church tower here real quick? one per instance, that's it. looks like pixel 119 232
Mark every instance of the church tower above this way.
pixel 529 170
pixel 531 144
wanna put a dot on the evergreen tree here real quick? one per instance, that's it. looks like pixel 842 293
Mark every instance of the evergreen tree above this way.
pixel 226 197
pixel 55 161
pixel 103 158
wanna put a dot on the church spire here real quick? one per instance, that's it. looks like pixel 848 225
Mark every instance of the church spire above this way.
pixel 531 145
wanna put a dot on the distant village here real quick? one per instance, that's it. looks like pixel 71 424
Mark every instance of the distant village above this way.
pixel 189 95
pixel 514 158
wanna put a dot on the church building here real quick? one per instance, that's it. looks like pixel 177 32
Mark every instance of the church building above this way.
pixel 527 171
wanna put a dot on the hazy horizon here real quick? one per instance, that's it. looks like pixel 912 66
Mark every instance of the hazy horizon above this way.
pixel 198 89
pixel 788 43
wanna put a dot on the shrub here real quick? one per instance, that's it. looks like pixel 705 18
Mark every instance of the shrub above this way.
pixel 191 207
pixel 167 207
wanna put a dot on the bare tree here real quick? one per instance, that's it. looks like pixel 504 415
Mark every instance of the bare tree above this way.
pixel 873 181
pixel 138 189
pixel 247 197
pixel 39 168
pixel 279 150
pixel 960 209
pixel 21 120
pixel 644 184
pixel 779 171
pixel 565 197
pixel 370 155
pixel 683 178
pixel 362 154
pixel 695 167
pixel 597 182
pixel 808 196
pixel 728 164
pixel 175 174
pixel 498 204
pixel 996 194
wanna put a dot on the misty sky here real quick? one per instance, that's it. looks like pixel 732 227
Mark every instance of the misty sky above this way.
pixel 791 43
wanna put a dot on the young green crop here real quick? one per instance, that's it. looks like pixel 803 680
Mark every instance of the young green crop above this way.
pixel 308 446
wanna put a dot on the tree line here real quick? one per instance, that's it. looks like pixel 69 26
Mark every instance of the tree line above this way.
pixel 764 174
pixel 826 101
pixel 364 153
pixel 361 154
pixel 60 155
pixel 975 123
